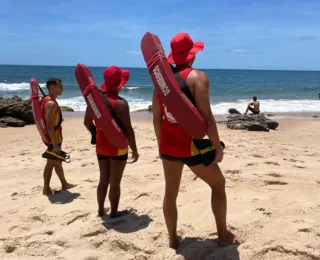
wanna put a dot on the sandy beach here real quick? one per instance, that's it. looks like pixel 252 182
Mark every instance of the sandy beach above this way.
pixel 273 189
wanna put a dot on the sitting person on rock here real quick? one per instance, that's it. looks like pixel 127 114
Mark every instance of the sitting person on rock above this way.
pixel 256 106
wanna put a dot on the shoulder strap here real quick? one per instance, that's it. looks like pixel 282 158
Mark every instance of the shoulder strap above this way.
pixel 60 113
pixel 183 84
pixel 60 121
pixel 185 89
pixel 112 112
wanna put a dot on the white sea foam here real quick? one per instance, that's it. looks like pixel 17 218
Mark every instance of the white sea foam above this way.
pixel 79 104
pixel 269 105
pixel 16 86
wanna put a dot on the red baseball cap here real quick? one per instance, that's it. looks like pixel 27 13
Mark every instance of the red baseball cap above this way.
pixel 114 79
pixel 183 48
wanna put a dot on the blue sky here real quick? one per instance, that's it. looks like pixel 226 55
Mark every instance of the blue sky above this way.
pixel 242 34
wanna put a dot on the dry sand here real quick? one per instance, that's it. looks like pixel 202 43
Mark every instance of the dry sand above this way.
pixel 273 188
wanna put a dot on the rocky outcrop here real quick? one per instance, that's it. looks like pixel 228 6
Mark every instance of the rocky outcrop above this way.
pixel 234 111
pixel 251 123
pixel 15 112
pixel 11 121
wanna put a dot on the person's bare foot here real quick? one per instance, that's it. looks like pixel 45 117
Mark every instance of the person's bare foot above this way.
pixel 119 214
pixel 101 212
pixel 68 186
pixel 229 239
pixel 174 243
pixel 47 191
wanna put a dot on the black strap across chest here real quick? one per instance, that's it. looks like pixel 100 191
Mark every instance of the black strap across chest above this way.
pixel 183 85
pixel 111 110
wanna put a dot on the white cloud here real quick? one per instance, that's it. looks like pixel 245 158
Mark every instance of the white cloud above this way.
pixel 134 52
pixel 239 50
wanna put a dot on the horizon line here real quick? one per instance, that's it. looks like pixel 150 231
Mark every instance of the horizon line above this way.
pixel 94 66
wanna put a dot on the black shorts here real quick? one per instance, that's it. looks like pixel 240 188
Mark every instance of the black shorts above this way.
pixel 205 158
pixel 117 158
pixel 254 112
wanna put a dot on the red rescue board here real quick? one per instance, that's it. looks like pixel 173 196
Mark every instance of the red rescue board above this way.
pixel 98 108
pixel 168 88
pixel 37 111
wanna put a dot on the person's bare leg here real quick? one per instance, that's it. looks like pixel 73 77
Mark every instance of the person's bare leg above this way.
pixel 212 175
pixel 47 173
pixel 116 172
pixel 172 173
pixel 104 167
pixel 59 171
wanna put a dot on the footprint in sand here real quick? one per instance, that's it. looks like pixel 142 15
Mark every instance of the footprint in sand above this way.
pixel 276 175
pixel 299 167
pixel 24 152
pixel 182 189
pixel 275 182
pixel 87 163
pixel 88 180
pixel 256 155
pixel 38 218
pixel 9 249
pixel 83 150
pixel 273 163
pixel 154 176
pixel 305 230
pixel 294 160
pixel 14 195
pixel 15 230
pixel 264 212
pixel 75 215
pixel 49 232
pixel 233 172
pixel 147 194
pixel 93 233
pixel 252 164
pixel 282 252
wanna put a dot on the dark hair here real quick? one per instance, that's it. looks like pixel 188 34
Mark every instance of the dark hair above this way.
pixel 255 98
pixel 52 81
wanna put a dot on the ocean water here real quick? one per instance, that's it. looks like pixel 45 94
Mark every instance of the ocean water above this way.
pixel 278 91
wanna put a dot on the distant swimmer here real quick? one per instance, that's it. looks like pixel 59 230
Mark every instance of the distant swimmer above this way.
pixel 112 160
pixel 52 115
pixel 256 106
pixel 319 95
pixel 177 148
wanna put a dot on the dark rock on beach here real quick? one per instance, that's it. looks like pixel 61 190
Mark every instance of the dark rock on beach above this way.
pixel 251 123
pixel 11 121
pixel 234 111
pixel 66 109
pixel 15 112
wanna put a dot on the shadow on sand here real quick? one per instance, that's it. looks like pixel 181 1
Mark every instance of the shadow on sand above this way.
pixel 197 248
pixel 63 197
pixel 128 223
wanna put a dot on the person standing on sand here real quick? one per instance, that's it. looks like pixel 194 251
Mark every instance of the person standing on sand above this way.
pixel 112 160
pixel 256 106
pixel 52 115
pixel 177 148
